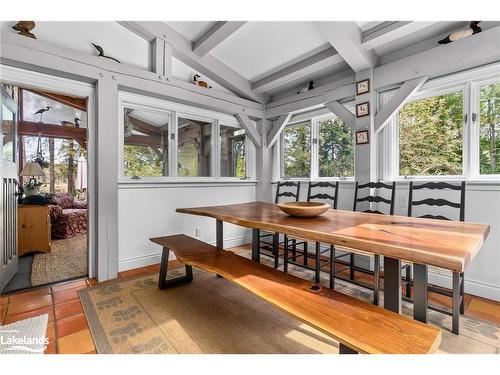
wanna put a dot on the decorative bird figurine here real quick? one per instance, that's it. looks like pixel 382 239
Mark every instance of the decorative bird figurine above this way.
pixel 71 124
pixel 24 28
pixel 200 83
pixel 460 34
pixel 101 53
pixel 310 86
pixel 41 111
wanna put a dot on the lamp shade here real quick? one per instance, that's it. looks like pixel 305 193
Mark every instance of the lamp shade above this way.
pixel 32 169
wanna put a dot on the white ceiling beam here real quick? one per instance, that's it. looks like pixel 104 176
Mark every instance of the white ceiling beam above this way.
pixel 400 98
pixel 216 35
pixel 206 65
pixel 311 101
pixel 251 131
pixel 277 128
pixel 342 112
pixel 300 69
pixel 474 51
pixel 390 31
pixel 345 37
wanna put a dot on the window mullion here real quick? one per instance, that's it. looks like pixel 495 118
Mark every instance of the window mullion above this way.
pixel 314 150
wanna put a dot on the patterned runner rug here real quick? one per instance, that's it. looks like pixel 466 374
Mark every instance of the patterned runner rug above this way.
pixel 213 315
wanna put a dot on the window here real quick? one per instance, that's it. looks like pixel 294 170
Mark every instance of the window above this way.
pixel 145 138
pixel 449 129
pixel 431 136
pixel 8 133
pixel 232 152
pixel 489 137
pixel 194 148
pixel 67 163
pixel 335 148
pixel 165 141
pixel 297 150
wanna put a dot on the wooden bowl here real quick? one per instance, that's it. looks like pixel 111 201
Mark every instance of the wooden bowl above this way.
pixel 303 209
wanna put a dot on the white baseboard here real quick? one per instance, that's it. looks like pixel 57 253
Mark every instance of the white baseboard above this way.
pixel 473 287
pixel 147 260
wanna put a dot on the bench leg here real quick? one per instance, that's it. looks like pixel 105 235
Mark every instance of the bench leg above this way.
pixel 408 281
pixel 420 292
pixel 456 303
pixel 332 267
pixel 392 284
pixel 256 245
pixel 276 249
pixel 294 250
pixel 163 283
pixel 343 349
pixel 376 279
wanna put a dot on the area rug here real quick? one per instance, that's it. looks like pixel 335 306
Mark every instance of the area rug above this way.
pixel 25 336
pixel 67 259
pixel 213 315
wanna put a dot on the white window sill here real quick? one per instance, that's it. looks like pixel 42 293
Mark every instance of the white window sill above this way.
pixel 178 182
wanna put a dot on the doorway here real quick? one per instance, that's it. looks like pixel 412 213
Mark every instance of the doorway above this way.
pixel 52 158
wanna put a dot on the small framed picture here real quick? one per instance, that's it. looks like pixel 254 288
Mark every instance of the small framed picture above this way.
pixel 362 137
pixel 362 109
pixel 362 87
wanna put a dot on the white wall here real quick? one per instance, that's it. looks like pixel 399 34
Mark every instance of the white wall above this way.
pixel 145 212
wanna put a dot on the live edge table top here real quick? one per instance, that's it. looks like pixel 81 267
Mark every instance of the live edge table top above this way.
pixel 447 244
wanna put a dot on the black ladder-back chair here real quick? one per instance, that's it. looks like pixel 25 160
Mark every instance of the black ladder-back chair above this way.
pixel 273 250
pixel 350 264
pixel 457 293
pixel 319 263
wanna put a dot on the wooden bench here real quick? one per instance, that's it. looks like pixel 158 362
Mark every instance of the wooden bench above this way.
pixel 357 325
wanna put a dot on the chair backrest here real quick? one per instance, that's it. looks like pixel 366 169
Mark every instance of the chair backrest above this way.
pixel 438 201
pixel 375 198
pixel 334 186
pixel 288 193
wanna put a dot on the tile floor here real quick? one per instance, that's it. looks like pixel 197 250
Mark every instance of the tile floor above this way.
pixel 68 332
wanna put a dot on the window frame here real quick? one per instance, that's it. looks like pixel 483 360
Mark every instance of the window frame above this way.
pixel 470 82
pixel 314 122
pixel 176 110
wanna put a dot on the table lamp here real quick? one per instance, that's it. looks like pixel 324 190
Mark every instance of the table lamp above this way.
pixel 32 170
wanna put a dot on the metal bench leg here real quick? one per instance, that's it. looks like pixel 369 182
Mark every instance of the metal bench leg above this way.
pixel 376 279
pixel 285 258
pixel 462 294
pixel 343 349
pixel 456 303
pixel 332 267
pixel 256 245
pixel 306 254
pixel 420 292
pixel 294 250
pixel 163 283
pixel 276 249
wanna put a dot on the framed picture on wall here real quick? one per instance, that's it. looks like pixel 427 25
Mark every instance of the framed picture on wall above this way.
pixel 362 109
pixel 362 137
pixel 363 87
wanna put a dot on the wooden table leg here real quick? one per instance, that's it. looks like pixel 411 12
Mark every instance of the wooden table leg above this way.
pixel 392 284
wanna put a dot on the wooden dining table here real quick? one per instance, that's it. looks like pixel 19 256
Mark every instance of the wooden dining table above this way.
pixel 450 245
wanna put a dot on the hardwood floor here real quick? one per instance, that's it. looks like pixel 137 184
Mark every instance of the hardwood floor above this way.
pixel 68 332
